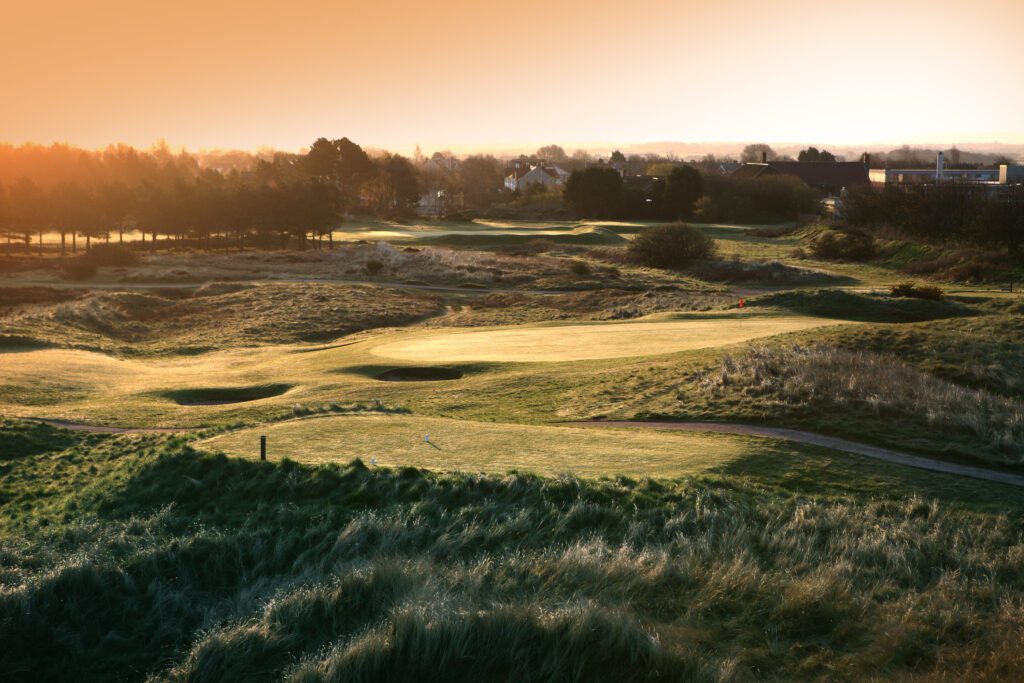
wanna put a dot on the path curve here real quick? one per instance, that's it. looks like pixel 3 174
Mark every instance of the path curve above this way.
pixel 78 427
pixel 822 440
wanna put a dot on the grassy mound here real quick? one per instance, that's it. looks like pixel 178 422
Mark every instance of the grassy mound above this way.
pixel 843 305
pixel 182 565
pixel 216 395
pixel 860 386
pixel 218 316
pixel 747 271
pixel 980 352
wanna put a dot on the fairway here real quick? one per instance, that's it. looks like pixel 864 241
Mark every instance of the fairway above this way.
pixel 590 341
pixel 459 445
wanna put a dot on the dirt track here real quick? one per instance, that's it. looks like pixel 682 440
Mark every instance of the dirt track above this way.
pixel 826 441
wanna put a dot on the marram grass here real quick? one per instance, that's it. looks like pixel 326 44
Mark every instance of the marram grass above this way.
pixel 137 557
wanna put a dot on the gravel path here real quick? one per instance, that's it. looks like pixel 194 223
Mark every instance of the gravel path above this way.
pixel 827 442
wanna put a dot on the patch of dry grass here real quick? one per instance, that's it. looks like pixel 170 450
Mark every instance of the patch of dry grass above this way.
pixel 822 378
pixel 217 316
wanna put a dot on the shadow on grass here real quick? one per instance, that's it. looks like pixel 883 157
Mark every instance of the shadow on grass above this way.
pixel 410 372
pixel 843 305
pixel 818 471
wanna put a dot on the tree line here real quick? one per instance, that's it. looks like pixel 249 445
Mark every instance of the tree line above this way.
pixel 952 213
pixel 160 195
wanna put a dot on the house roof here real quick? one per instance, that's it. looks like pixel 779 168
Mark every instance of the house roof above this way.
pixel 518 173
pixel 814 173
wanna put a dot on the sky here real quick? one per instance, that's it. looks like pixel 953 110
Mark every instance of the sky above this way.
pixel 393 74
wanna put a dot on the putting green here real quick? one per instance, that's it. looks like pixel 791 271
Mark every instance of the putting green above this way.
pixel 460 445
pixel 589 341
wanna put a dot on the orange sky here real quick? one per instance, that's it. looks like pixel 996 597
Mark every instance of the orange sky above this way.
pixel 387 73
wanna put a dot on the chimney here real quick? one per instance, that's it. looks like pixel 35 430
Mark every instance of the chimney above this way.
pixel 764 157
pixel 938 169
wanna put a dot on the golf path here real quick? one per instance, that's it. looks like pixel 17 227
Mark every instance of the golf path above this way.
pixel 826 441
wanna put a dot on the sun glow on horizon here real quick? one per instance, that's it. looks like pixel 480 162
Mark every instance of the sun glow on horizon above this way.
pixel 393 74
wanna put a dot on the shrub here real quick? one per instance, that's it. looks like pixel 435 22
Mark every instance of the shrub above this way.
pixel 671 246
pixel 768 199
pixel 111 255
pixel 848 245
pixel 579 268
pixel 373 267
pixel 79 268
pixel 462 216
pixel 909 289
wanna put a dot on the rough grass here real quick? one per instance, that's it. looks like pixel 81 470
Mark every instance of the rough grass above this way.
pixel 377 261
pixel 514 308
pixel 747 271
pixel 216 316
pixel 967 265
pixel 179 565
pixel 829 380
pixel 983 352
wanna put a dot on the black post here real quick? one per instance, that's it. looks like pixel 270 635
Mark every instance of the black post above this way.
pixel 263 448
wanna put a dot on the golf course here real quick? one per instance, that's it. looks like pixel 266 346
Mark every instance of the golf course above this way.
pixel 321 464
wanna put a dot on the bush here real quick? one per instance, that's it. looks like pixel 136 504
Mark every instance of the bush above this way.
pixel 850 245
pixel 111 255
pixel 79 268
pixel 953 213
pixel 462 216
pixel 911 290
pixel 769 199
pixel 671 246
pixel 579 268
pixel 373 267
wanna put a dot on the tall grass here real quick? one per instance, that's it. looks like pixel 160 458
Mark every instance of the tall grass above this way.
pixel 217 316
pixel 824 378
pixel 137 557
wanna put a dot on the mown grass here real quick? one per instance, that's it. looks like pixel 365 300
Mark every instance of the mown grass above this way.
pixel 466 446
pixel 133 556
pixel 569 342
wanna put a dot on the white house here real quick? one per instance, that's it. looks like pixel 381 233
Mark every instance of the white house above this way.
pixel 548 175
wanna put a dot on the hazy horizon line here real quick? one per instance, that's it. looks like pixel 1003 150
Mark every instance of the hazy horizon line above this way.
pixel 1007 139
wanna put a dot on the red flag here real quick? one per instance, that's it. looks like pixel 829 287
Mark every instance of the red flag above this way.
pixel 741 303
